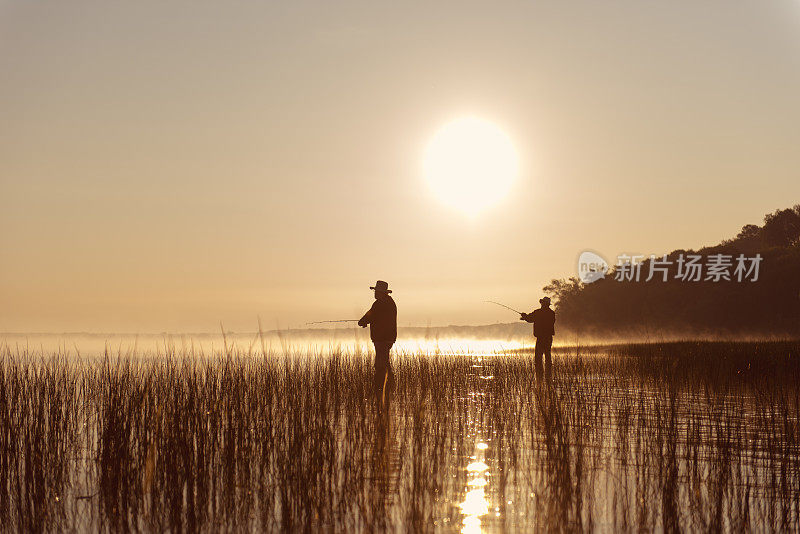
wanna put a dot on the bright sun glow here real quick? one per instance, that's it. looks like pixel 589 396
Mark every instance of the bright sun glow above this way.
pixel 470 164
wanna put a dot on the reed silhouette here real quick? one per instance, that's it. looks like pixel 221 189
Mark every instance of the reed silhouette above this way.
pixel 683 436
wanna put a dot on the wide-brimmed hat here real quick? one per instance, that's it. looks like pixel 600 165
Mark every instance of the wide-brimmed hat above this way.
pixel 544 300
pixel 380 285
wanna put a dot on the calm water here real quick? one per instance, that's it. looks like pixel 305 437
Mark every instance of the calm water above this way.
pixel 466 443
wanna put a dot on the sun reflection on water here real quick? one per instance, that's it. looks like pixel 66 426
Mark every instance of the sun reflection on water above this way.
pixel 475 504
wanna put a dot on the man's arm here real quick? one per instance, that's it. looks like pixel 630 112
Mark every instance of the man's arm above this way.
pixel 527 317
pixel 364 321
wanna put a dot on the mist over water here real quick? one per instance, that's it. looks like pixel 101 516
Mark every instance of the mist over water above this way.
pixel 318 342
pixel 487 339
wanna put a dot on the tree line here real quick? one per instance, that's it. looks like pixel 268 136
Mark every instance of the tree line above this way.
pixel 619 304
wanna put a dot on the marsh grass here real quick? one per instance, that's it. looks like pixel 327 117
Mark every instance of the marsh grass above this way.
pixel 680 436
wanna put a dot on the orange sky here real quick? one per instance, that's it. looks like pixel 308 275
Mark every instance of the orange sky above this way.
pixel 165 166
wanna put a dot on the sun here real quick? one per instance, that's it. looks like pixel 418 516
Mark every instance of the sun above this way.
pixel 470 164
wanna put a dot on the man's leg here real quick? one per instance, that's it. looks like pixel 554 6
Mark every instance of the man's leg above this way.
pixel 389 370
pixel 537 358
pixel 384 377
pixel 548 364
pixel 380 369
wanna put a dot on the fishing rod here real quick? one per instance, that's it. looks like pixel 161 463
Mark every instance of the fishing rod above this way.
pixel 336 321
pixel 504 306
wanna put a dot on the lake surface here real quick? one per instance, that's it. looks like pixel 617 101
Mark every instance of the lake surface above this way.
pixel 655 438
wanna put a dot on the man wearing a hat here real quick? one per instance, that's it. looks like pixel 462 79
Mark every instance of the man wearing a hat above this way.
pixel 382 321
pixel 544 320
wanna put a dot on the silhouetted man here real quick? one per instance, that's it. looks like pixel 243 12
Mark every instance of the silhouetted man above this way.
pixel 544 320
pixel 382 321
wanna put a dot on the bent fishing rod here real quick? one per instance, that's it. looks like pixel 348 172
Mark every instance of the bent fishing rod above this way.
pixel 504 306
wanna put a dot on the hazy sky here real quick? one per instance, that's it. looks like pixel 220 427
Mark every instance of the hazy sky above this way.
pixel 165 166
